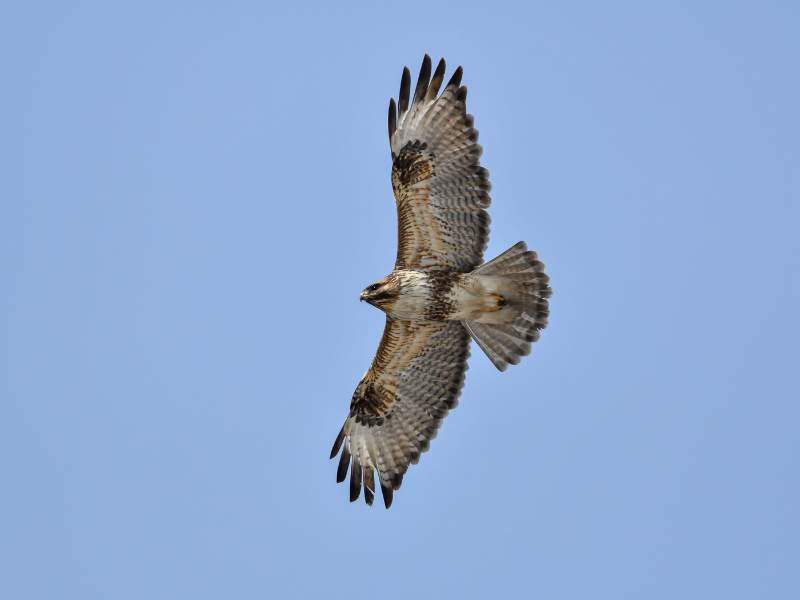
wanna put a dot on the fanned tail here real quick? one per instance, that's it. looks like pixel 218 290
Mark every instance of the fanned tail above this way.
pixel 518 280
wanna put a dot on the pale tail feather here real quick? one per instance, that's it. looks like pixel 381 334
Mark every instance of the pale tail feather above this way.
pixel 506 336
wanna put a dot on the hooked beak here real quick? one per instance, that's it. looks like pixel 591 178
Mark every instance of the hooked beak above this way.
pixel 363 296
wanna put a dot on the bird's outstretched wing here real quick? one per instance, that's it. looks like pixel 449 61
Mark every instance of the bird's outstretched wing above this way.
pixel 439 186
pixel 415 379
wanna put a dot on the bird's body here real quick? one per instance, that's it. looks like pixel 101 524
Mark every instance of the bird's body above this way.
pixel 439 294
pixel 446 296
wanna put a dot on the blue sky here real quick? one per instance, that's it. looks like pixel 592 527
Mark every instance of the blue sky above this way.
pixel 193 196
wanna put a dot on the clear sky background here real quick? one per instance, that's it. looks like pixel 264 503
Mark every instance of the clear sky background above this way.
pixel 193 197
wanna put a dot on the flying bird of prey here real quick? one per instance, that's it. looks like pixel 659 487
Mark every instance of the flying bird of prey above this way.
pixel 440 293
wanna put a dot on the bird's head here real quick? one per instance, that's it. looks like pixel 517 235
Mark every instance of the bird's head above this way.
pixel 382 293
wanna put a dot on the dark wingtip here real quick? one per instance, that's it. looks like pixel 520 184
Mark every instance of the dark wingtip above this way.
pixel 455 80
pixel 337 444
pixel 392 118
pixel 405 90
pixel 436 82
pixel 423 80
pixel 388 494
pixel 369 485
pixel 344 463
pixel 355 481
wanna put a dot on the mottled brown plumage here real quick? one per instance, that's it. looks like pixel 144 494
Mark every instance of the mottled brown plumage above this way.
pixel 439 293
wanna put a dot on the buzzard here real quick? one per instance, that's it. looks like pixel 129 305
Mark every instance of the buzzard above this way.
pixel 440 293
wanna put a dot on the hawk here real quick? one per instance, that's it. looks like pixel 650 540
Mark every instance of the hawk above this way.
pixel 440 293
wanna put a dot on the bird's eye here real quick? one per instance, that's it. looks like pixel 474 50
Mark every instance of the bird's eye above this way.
pixel 374 287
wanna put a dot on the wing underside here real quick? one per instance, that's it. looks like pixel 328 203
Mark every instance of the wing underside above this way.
pixel 440 188
pixel 396 409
